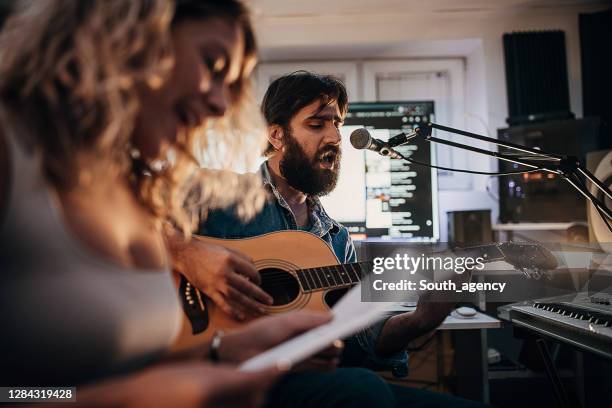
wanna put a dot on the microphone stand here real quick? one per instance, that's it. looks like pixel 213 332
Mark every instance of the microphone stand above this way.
pixel 568 167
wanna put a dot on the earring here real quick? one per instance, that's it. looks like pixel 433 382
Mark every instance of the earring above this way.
pixel 134 153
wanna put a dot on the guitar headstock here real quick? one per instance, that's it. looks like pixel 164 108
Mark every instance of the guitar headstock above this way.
pixel 531 259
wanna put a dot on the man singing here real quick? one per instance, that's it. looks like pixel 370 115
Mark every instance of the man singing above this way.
pixel 304 112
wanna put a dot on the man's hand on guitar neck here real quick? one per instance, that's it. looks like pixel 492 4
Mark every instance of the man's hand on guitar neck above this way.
pixel 228 277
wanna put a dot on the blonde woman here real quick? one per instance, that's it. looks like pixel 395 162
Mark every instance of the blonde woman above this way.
pixel 101 105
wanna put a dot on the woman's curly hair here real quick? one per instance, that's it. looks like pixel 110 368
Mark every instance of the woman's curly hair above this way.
pixel 70 72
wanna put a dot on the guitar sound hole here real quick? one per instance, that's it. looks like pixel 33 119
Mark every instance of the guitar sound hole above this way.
pixel 281 285
pixel 333 296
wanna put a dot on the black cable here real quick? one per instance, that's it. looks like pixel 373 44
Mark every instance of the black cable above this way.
pixel 603 216
pixel 467 171
pixel 582 184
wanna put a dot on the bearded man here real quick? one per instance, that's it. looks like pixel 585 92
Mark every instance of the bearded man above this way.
pixel 304 112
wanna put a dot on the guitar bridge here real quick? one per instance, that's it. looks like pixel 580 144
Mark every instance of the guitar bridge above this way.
pixel 194 306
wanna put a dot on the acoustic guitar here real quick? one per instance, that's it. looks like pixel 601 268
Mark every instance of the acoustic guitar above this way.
pixel 300 271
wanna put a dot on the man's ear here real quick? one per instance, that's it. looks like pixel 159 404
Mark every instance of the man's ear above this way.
pixel 276 136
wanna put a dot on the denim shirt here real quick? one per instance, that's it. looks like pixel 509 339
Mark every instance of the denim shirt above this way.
pixel 276 216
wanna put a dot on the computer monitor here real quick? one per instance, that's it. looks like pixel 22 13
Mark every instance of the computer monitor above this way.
pixel 378 197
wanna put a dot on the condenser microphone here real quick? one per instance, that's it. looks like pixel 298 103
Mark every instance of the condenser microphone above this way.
pixel 361 139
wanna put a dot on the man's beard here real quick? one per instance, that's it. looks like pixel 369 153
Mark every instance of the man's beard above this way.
pixel 305 174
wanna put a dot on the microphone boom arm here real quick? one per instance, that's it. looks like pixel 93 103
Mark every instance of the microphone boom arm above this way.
pixel 568 167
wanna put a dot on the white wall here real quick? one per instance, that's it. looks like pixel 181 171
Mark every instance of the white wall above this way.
pixel 423 35
pixel 476 36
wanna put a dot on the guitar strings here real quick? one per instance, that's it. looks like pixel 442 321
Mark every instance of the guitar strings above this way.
pixel 290 279
pixel 283 280
pixel 280 278
pixel 273 275
pixel 276 279
pixel 287 277
pixel 327 274
pixel 317 271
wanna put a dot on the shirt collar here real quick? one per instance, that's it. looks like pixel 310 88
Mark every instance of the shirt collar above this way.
pixel 322 223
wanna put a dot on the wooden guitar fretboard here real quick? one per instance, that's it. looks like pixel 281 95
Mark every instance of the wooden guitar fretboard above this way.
pixel 334 276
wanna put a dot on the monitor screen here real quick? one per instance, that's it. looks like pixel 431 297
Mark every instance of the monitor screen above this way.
pixel 381 197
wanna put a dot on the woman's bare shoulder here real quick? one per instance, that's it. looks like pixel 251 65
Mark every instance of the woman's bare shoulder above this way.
pixel 113 225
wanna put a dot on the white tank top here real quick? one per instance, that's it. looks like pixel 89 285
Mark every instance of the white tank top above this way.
pixel 67 315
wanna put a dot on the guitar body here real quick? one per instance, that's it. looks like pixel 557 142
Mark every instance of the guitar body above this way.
pixel 301 272
pixel 276 255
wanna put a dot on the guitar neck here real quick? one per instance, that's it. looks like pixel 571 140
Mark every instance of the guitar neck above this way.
pixel 490 252
pixel 337 276
pixel 333 276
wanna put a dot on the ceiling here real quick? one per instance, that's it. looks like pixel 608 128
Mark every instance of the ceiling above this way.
pixel 316 8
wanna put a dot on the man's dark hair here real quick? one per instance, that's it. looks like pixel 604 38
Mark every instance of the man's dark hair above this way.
pixel 288 94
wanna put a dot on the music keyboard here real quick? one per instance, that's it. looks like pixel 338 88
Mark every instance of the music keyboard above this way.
pixel 579 322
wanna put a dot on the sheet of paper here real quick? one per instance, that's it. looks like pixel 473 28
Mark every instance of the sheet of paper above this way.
pixel 350 315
